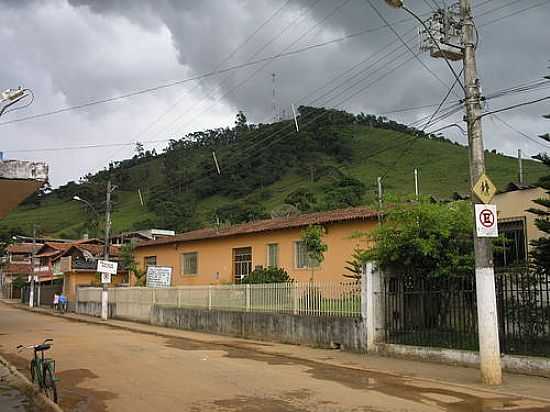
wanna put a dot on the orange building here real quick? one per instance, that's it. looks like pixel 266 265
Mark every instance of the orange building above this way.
pixel 78 266
pixel 227 254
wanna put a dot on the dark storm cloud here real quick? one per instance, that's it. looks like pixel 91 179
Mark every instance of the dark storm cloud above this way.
pixel 84 49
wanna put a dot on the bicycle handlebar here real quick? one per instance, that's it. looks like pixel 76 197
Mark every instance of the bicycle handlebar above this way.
pixel 21 347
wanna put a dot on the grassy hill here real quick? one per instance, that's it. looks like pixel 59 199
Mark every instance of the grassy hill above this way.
pixel 442 165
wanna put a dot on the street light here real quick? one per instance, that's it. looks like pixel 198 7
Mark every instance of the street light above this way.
pixel 395 3
pixel 89 204
pixel 12 96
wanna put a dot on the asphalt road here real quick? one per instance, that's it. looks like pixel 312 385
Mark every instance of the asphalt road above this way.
pixel 105 368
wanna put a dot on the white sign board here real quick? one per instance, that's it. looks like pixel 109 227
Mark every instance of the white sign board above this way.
pixel 159 277
pixel 486 220
pixel 105 277
pixel 106 266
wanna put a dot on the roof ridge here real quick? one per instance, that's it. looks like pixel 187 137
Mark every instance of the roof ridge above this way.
pixel 331 216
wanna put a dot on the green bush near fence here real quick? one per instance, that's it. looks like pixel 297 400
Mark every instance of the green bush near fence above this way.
pixel 267 275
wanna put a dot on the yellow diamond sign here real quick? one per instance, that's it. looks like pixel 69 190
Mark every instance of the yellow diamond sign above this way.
pixel 484 189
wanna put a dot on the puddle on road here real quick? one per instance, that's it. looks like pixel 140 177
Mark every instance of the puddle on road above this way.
pixel 394 386
pixel 292 401
pixel 76 398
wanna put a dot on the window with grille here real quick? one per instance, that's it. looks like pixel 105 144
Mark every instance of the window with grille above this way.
pixel 273 255
pixel 242 263
pixel 190 263
pixel 512 248
pixel 149 261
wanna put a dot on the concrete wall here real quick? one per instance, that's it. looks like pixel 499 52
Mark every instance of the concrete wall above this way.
pixel 93 309
pixel 526 365
pixel 347 333
pixel 215 256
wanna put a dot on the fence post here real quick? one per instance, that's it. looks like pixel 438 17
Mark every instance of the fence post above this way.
pixel 209 297
pixel 247 297
pixel 295 288
pixel 374 309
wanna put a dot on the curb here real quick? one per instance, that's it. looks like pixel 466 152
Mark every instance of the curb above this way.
pixel 96 321
pixel 28 389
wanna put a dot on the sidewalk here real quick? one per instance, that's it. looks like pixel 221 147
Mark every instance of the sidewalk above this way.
pixel 18 395
pixel 460 377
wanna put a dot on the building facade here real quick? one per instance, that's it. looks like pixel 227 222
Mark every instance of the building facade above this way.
pixel 516 225
pixel 227 255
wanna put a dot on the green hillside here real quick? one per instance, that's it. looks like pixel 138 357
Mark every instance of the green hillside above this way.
pixel 333 162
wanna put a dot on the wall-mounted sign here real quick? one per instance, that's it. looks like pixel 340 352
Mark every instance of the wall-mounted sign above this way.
pixel 159 277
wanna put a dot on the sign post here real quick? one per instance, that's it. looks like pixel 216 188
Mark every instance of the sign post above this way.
pixel 106 268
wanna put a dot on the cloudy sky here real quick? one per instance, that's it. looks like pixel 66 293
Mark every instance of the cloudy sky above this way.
pixel 70 52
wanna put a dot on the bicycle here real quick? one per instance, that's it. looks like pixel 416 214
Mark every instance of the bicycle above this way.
pixel 43 369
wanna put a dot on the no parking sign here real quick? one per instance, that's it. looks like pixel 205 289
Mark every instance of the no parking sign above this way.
pixel 486 220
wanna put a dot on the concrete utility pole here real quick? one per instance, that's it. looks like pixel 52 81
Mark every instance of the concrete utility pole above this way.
pixel 416 184
pixel 520 166
pixel 489 347
pixel 104 291
pixel 33 266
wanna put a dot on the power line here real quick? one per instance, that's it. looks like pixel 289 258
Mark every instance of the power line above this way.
pixel 258 70
pixel 197 77
pixel 515 13
pixel 219 65
pixel 514 106
pixel 381 16
pixel 532 139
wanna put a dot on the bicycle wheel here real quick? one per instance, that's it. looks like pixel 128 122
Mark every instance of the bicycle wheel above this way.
pixel 49 384
pixel 34 371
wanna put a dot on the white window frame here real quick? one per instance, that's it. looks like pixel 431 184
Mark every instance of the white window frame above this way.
pixel 297 244
pixel 268 256
pixel 308 261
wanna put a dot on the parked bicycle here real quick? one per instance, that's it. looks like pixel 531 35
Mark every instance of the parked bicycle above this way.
pixel 43 369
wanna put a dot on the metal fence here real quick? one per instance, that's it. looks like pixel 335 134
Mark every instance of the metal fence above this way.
pixel 442 312
pixel 438 312
pixel 322 298
pixel 523 302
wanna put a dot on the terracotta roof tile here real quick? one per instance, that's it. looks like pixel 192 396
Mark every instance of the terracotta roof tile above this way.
pixel 339 215
pixel 21 248
pixel 97 250
pixel 18 268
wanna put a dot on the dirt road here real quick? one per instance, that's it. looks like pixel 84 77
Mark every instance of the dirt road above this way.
pixel 104 368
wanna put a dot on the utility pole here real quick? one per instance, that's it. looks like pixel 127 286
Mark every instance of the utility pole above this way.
pixel 104 291
pixel 454 25
pixel 489 347
pixel 416 184
pixel 520 165
pixel 380 199
pixel 274 101
pixel 33 266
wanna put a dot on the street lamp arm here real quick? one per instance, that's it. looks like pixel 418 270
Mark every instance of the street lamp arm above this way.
pixel 89 204
pixel 17 100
